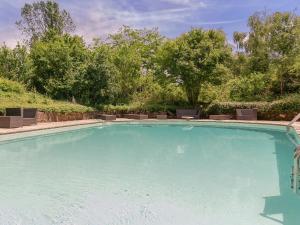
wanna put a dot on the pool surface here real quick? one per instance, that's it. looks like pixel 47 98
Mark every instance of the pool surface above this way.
pixel 150 174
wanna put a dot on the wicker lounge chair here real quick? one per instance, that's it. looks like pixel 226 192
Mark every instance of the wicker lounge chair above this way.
pixel 187 113
pixel 246 114
pixel 13 112
pixel 12 118
pixel 29 116
pixel 11 121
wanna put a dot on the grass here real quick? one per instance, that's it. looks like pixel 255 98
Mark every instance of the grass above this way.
pixel 14 94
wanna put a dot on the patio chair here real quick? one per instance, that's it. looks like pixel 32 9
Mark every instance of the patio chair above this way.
pixel 246 114
pixel 187 113
pixel 13 112
pixel 29 116
pixel 12 118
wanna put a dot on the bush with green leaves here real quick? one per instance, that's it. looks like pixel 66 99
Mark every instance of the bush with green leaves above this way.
pixel 253 87
pixel 282 109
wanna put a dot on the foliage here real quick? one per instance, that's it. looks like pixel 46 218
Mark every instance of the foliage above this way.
pixel 272 47
pixel 43 17
pixel 57 64
pixel 13 94
pixel 282 109
pixel 15 63
pixel 132 53
pixel 249 88
pixel 11 86
pixel 92 85
pixel 195 58
pixel 140 70
pixel 137 108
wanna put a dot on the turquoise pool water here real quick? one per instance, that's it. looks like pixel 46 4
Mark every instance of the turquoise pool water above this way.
pixel 150 174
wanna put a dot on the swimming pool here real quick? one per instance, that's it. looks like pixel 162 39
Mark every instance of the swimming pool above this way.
pixel 150 174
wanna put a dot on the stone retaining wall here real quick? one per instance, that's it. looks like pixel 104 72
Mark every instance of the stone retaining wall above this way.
pixel 56 117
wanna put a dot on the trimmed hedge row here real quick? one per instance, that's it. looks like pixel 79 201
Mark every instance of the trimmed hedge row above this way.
pixel 284 109
pixel 137 108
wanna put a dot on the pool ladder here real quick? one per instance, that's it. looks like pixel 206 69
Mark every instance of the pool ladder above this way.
pixel 295 177
pixel 296 118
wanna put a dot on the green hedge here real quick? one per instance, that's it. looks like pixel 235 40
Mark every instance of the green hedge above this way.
pixel 137 108
pixel 283 109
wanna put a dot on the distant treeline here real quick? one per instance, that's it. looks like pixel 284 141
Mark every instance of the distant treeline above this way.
pixel 140 66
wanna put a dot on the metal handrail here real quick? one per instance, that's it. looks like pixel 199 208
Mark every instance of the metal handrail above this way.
pixel 296 171
pixel 294 120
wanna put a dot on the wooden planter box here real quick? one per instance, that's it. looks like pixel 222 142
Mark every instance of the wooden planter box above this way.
pixel 11 121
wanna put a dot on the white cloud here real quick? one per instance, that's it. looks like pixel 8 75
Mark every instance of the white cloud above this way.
pixel 192 3
pixel 103 17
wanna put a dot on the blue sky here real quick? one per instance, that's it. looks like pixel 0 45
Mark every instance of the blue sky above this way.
pixel 97 18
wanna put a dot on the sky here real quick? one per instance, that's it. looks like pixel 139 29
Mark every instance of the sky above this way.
pixel 97 18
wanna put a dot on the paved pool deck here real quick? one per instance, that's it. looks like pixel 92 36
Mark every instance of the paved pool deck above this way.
pixel 52 125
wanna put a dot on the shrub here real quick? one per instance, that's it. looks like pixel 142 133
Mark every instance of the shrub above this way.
pixel 13 94
pixel 250 88
pixel 137 108
pixel 282 109
pixel 11 86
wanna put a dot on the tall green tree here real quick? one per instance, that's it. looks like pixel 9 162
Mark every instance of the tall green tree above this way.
pixel 271 47
pixel 92 88
pixel 57 65
pixel 133 52
pixel 44 17
pixel 15 63
pixel 195 58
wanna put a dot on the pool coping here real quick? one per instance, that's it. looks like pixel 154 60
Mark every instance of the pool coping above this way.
pixel 64 124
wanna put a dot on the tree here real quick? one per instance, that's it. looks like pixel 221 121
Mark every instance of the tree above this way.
pixel 40 18
pixel 57 65
pixel 92 87
pixel 133 52
pixel 15 63
pixel 195 58
pixel 272 47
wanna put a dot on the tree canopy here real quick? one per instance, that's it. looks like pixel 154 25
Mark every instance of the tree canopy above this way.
pixel 140 66
pixel 40 18
pixel 195 58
